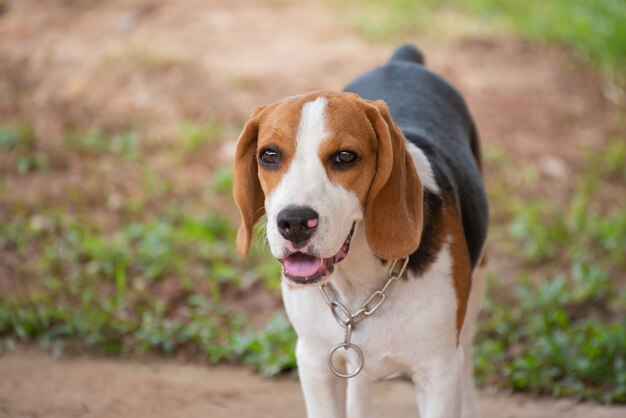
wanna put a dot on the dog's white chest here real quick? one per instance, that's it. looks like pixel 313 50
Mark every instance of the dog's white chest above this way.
pixel 418 316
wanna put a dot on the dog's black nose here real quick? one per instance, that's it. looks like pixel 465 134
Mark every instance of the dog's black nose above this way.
pixel 297 224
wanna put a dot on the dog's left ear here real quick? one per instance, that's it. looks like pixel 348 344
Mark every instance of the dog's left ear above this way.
pixel 394 212
pixel 246 185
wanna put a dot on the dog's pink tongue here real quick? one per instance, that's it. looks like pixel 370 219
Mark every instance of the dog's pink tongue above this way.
pixel 301 265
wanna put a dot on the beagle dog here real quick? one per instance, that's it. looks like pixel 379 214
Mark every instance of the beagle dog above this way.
pixel 386 172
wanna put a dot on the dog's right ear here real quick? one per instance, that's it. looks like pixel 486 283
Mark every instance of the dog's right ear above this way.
pixel 394 212
pixel 246 186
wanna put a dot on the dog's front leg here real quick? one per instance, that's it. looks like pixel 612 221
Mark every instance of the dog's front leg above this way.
pixel 359 397
pixel 439 385
pixel 324 393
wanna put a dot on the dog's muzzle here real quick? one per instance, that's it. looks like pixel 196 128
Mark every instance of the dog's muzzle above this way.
pixel 307 269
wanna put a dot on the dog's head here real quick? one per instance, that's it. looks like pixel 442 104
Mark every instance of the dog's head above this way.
pixel 321 165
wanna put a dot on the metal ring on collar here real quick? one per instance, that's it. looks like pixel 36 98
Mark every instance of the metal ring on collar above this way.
pixel 361 360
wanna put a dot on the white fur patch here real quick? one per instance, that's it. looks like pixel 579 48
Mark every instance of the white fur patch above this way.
pixel 311 129
pixel 424 170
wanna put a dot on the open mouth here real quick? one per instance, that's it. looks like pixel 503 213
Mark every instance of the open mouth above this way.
pixel 300 268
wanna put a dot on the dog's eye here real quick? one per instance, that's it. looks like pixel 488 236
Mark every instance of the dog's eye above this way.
pixel 270 157
pixel 345 158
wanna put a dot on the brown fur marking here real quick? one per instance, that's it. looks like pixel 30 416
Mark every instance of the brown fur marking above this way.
pixel 349 130
pixel 461 264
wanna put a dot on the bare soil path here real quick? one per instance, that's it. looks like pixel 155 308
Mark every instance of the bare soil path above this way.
pixel 33 384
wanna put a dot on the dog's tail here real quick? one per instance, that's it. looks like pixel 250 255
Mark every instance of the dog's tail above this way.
pixel 408 52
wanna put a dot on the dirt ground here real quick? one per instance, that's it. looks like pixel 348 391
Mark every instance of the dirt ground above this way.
pixel 33 385
pixel 112 63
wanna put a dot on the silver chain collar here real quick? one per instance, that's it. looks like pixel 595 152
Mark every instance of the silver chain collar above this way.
pixel 348 320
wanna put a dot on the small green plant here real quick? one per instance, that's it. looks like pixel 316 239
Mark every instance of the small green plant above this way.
pixel 19 144
pixel 8 137
pixel 95 142
pixel 33 162
pixel 194 136
pixel 127 145
pixel 92 141
pixel 386 21
pixel 271 350
pixel 611 160
pixel 222 181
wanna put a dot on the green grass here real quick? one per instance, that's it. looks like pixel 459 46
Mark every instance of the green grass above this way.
pixel 88 286
pixel 561 331
pixel 554 337
pixel 147 277
pixel 594 30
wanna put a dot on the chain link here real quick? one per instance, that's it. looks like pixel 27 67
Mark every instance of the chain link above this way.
pixel 348 320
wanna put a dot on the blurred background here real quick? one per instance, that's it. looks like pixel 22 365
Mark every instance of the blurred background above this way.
pixel 117 128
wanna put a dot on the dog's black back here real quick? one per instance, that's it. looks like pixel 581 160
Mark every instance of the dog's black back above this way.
pixel 433 116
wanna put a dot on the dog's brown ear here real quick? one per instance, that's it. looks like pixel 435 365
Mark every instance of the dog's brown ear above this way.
pixel 246 186
pixel 394 212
